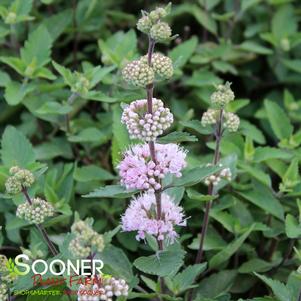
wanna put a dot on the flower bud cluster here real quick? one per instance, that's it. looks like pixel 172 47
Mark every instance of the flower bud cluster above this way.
pixel 138 73
pixel 82 84
pixel 210 117
pixel 222 96
pixel 143 125
pixel 36 212
pixel 19 178
pixel 161 64
pixel 153 25
pixel 139 171
pixel 11 18
pixel 3 291
pixel 160 32
pixel 220 99
pixel 214 180
pixel 85 239
pixel 105 290
pixel 231 122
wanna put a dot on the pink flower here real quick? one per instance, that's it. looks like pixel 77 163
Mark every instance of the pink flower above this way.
pixel 141 216
pixel 138 171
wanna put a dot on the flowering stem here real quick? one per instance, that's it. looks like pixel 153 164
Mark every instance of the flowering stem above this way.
pixel 218 136
pixel 40 227
pixel 151 144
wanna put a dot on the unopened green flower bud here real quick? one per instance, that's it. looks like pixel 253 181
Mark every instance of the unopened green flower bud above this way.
pixel 36 212
pixel 81 229
pixel 79 248
pixel 82 84
pixel 25 177
pixel 11 18
pixel 231 122
pixel 162 65
pixel 144 24
pixel 138 73
pixel 98 242
pixel 13 185
pixel 13 170
pixel 161 32
pixel 157 14
pixel 210 117
pixel 3 291
pixel 223 95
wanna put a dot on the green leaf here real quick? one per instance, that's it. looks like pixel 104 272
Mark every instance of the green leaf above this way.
pixel 65 73
pixel 193 176
pixel 88 134
pixel 92 173
pixel 278 288
pixel 197 126
pixel 54 108
pixel 257 265
pixel 194 195
pixel 41 54
pixel 292 227
pixel 117 263
pixel 164 263
pixel 216 284
pixel 177 137
pixel 262 197
pixel 229 250
pixel 16 92
pixel 256 173
pixel 294 65
pixel 185 279
pixel 182 53
pixel 284 22
pixel 267 153
pixel 255 48
pixel 279 121
pixel 16 148
pixel 111 191
pixel 121 138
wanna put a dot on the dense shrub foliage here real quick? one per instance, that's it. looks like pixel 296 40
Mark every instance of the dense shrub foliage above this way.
pixel 164 142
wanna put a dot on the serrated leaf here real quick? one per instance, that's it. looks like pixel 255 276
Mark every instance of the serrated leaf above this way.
pixel 292 227
pixel 40 53
pixel 177 137
pixel 16 148
pixel 111 191
pixel 262 197
pixel 229 250
pixel 195 175
pixel 92 173
pixel 278 288
pixel 164 263
pixel 278 119
pixel 267 153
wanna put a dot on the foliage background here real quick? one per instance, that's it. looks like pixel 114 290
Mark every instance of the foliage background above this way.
pixel 252 43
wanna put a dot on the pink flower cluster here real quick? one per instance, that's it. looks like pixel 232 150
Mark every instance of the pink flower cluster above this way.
pixel 138 171
pixel 141 216
pixel 143 125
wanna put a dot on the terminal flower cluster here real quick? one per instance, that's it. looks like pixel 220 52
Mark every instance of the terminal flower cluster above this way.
pixel 144 166
pixel 219 99
pixel 86 240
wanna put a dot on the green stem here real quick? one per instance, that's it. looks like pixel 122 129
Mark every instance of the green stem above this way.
pixel 218 136
pixel 70 101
